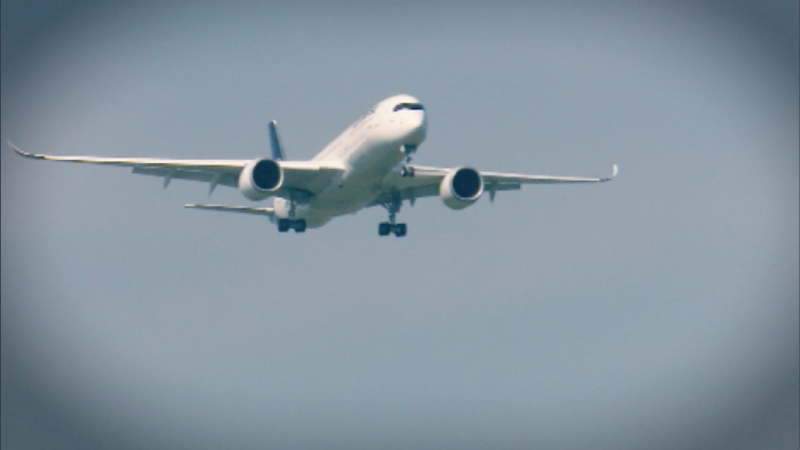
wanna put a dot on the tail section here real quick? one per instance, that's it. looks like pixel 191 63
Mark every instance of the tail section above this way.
pixel 275 142
pixel 270 212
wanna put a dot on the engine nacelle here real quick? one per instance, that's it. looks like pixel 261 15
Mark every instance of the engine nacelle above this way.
pixel 260 178
pixel 461 187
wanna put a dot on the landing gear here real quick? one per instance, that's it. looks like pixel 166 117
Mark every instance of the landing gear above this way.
pixel 298 225
pixel 290 223
pixel 407 170
pixel 385 228
pixel 283 225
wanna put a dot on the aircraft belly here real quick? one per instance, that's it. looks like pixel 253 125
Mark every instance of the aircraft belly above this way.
pixel 337 201
pixel 361 184
pixel 368 161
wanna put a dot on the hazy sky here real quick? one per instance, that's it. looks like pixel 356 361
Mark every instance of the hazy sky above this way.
pixel 658 311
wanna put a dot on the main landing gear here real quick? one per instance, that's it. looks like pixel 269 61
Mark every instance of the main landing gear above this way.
pixel 385 228
pixel 399 229
pixel 298 225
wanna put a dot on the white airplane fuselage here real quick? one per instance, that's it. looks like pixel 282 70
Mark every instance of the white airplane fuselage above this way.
pixel 368 149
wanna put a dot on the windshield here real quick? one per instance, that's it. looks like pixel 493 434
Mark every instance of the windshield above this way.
pixel 400 106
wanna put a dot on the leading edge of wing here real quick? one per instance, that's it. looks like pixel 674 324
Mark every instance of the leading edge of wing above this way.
pixel 311 176
pixel 524 178
pixel 157 162
pixel 545 179
pixel 188 164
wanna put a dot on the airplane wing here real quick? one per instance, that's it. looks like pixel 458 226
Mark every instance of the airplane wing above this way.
pixel 426 181
pixel 309 176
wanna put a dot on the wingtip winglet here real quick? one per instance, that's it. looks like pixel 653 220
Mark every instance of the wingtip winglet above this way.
pixel 614 172
pixel 23 153
pixel 16 149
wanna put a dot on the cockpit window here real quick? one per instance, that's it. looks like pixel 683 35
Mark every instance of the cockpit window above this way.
pixel 400 106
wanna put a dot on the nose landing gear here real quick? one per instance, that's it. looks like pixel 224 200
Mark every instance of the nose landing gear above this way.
pixel 407 170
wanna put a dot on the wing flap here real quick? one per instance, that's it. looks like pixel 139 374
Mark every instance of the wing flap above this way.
pixel 225 179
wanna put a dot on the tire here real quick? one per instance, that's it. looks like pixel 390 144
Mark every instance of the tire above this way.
pixel 283 225
pixel 400 230
pixel 384 229
pixel 300 226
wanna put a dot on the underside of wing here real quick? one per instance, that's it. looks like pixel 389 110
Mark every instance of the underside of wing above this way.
pixel 498 177
pixel 518 178
pixel 310 177
pixel 426 182
pixel 211 176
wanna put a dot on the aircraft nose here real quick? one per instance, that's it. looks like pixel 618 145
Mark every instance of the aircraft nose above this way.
pixel 418 128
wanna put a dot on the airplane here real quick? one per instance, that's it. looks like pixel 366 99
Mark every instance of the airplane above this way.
pixel 368 164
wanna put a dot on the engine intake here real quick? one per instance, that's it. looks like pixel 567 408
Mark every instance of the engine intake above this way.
pixel 461 187
pixel 260 178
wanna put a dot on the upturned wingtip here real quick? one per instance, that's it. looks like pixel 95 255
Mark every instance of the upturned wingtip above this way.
pixel 21 152
pixel 614 172
pixel 15 148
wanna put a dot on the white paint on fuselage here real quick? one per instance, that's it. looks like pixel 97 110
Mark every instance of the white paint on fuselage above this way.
pixel 369 149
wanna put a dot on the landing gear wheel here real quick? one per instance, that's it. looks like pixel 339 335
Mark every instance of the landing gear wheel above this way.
pixel 393 205
pixel 300 226
pixel 283 225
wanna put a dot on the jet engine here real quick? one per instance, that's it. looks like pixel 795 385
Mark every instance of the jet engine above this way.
pixel 260 178
pixel 461 187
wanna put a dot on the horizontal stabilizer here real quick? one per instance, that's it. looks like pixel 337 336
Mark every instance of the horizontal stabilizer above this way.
pixel 234 209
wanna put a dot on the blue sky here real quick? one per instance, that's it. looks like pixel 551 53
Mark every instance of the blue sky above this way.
pixel 656 311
